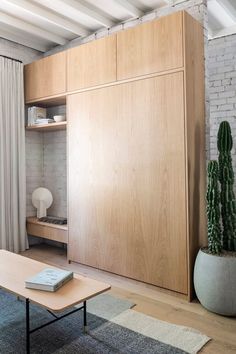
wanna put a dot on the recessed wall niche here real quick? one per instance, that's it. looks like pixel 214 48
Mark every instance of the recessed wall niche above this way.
pixel 46 164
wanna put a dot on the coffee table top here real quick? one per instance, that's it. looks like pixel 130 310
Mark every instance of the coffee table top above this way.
pixel 15 269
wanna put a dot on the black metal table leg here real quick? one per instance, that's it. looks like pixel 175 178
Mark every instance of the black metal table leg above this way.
pixel 56 318
pixel 85 317
pixel 27 303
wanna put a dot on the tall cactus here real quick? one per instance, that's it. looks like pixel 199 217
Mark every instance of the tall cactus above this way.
pixel 213 209
pixel 226 177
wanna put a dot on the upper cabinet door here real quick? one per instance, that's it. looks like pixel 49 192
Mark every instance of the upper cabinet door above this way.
pixel 150 47
pixel 92 64
pixel 45 77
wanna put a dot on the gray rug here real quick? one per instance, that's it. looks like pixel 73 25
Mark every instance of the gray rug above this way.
pixel 65 336
pixel 107 306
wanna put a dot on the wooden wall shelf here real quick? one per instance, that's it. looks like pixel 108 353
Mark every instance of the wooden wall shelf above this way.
pixel 46 230
pixel 48 127
pixel 48 101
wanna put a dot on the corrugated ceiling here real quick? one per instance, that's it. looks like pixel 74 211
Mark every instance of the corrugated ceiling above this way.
pixel 44 24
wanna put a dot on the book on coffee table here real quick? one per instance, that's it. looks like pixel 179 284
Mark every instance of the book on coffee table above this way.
pixel 49 279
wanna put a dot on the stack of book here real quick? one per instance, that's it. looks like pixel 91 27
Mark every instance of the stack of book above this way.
pixel 36 113
pixel 50 279
pixel 44 121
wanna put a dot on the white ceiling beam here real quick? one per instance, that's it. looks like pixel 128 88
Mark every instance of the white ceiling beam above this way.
pixel 227 31
pixel 178 1
pixel 169 2
pixel 44 14
pixel 210 31
pixel 84 8
pixel 229 8
pixel 173 2
pixel 14 37
pixel 130 8
pixel 220 15
pixel 27 27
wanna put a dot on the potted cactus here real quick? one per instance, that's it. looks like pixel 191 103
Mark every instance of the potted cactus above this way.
pixel 213 209
pixel 215 266
pixel 226 177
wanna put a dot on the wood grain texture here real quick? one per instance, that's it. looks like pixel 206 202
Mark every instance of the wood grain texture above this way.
pixel 49 101
pixel 48 127
pixel 45 230
pixel 127 180
pixel 153 302
pixel 195 140
pixel 58 100
pixel 15 269
pixel 91 64
pixel 45 77
pixel 150 47
pixel 115 179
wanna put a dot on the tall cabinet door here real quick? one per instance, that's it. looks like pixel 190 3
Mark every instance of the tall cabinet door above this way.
pixel 127 201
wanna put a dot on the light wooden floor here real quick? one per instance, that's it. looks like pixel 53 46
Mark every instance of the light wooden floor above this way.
pixel 153 302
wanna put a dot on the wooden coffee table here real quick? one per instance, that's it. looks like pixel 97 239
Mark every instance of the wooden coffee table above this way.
pixel 15 269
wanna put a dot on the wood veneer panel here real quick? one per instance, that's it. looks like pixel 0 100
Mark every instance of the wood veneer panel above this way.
pixel 45 77
pixel 195 140
pixel 127 200
pixel 150 47
pixel 45 230
pixel 92 64
pixel 15 269
pixel 48 127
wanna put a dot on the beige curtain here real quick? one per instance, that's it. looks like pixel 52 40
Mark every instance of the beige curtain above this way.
pixel 12 157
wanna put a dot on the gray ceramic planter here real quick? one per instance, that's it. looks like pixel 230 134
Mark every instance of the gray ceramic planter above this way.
pixel 215 283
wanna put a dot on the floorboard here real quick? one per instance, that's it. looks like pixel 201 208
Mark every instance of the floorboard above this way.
pixel 152 301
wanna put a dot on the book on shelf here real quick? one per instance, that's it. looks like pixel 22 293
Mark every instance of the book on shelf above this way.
pixel 35 113
pixel 50 279
pixel 41 121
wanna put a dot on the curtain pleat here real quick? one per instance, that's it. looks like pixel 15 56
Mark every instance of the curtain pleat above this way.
pixel 12 157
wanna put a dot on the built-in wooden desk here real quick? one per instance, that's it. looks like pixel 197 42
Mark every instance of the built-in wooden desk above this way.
pixel 46 230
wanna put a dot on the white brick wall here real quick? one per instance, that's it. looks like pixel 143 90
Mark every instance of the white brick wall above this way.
pixel 222 89
pixel 34 167
pixel 55 170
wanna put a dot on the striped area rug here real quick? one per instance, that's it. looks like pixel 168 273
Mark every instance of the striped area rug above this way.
pixel 113 328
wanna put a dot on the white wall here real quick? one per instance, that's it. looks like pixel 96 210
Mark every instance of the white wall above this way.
pixel 222 90
pixel 34 167
pixel 18 51
pixel 55 170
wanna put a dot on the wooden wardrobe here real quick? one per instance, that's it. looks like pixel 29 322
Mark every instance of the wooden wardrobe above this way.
pixel 136 148
pixel 137 161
